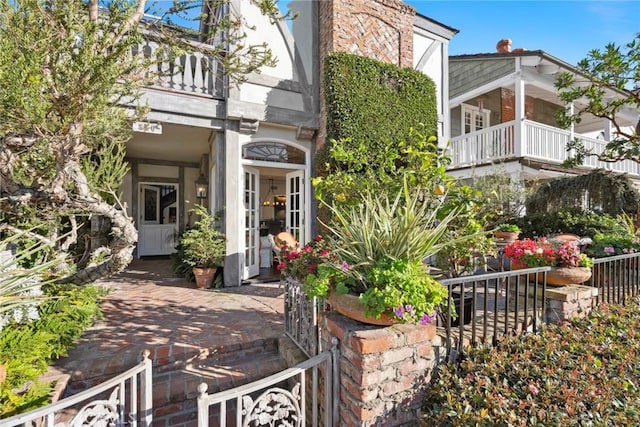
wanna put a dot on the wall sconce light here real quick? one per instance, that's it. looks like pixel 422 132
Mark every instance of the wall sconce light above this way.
pixel 202 187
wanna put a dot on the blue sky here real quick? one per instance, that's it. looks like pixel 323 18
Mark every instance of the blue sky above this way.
pixel 567 30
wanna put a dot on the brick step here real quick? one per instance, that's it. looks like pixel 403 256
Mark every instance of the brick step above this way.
pixel 168 358
pixel 175 392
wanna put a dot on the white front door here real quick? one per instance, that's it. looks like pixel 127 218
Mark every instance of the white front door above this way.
pixel 158 219
pixel 251 199
pixel 295 213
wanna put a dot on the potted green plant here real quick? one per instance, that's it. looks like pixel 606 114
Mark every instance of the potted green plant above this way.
pixel 507 232
pixel 373 258
pixel 203 247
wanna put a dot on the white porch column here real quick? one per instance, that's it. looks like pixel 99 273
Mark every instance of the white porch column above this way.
pixel 572 127
pixel 608 130
pixel 520 142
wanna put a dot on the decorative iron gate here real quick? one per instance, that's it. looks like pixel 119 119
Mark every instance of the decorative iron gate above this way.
pixel 306 394
pixel 123 405
pixel 301 317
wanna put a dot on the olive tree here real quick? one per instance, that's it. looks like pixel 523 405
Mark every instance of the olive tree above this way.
pixel 69 73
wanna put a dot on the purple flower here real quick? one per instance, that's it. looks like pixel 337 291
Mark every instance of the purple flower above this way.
pixel 345 266
pixel 609 250
pixel 399 311
pixel 425 319
pixel 409 309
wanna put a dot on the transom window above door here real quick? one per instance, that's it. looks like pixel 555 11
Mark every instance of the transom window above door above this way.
pixel 273 152
pixel 474 118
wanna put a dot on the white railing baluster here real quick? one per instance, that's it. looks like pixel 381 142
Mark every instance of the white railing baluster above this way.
pixel 540 141
pixel 133 404
pixel 88 397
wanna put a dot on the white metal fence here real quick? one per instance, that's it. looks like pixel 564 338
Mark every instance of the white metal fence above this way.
pixel 288 398
pixel 122 400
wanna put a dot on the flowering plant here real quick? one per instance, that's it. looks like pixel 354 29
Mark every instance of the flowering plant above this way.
pixel 299 262
pixel 376 250
pixel 530 253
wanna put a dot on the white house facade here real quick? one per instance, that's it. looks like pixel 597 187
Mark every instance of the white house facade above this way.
pixel 503 110
pixel 252 145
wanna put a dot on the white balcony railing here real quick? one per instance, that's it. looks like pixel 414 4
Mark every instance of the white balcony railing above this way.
pixel 539 141
pixel 192 72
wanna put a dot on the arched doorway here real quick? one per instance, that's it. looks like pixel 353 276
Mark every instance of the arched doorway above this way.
pixel 276 195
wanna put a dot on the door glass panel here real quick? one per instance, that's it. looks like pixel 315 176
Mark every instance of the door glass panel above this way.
pixel 150 205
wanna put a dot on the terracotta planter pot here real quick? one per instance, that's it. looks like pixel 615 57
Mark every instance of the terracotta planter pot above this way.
pixel 204 276
pixel 560 276
pixel 506 236
pixel 351 307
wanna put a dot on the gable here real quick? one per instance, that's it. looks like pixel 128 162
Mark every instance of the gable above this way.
pixel 467 75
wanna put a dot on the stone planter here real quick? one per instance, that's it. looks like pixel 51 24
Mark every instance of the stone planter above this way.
pixel 204 276
pixel 561 276
pixel 350 306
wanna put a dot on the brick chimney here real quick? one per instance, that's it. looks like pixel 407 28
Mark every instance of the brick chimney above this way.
pixel 504 46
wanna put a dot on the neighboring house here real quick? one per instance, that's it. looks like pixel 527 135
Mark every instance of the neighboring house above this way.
pixel 503 109
pixel 253 145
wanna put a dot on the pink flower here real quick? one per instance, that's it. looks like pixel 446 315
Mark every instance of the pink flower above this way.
pixel 609 250
pixel 533 389
pixel 345 266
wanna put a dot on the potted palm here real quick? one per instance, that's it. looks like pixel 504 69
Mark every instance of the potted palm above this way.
pixel 203 247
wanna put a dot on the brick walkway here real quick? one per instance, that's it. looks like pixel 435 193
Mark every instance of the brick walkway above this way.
pixel 148 308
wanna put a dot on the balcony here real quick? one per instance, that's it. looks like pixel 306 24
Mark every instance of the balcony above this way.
pixel 538 141
pixel 192 73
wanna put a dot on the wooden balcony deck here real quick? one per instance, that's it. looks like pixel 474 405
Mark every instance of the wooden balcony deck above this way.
pixel 537 141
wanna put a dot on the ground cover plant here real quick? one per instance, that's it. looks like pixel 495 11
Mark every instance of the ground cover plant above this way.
pixel 27 347
pixel 584 373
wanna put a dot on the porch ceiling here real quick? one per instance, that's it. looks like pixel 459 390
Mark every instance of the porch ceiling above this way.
pixel 177 143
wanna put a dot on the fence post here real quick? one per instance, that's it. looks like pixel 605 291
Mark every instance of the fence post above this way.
pixel 203 405
pixel 146 392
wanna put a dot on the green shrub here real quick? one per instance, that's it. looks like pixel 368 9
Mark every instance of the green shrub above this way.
pixel 27 348
pixel 584 224
pixel 604 246
pixel 585 373
pixel 374 104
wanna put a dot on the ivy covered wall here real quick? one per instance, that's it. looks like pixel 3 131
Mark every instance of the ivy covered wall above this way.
pixel 375 103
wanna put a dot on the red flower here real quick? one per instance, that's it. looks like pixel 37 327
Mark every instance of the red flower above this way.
pixel 281 266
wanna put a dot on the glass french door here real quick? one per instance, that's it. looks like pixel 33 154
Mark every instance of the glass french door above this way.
pixel 295 212
pixel 251 199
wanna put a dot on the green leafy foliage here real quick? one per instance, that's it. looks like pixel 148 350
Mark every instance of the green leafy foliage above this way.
pixel 603 191
pixel 603 73
pixel 584 373
pixel 583 224
pixel 371 106
pixel 27 348
pixel 203 245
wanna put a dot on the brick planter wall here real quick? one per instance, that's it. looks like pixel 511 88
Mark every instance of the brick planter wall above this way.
pixel 383 370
